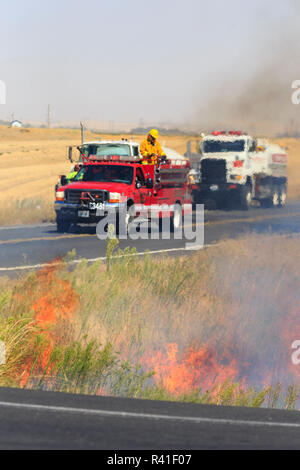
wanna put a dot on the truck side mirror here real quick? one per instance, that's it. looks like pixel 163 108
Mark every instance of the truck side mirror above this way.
pixel 149 183
pixel 63 180
pixel 70 154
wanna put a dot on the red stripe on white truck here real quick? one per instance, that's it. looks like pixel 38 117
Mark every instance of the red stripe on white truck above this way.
pixel 279 158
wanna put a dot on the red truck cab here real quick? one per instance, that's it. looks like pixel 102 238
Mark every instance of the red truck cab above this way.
pixel 108 183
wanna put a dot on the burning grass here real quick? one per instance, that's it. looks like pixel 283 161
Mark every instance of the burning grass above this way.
pixel 212 327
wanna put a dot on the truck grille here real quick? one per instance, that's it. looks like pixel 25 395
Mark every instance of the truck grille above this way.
pixel 213 171
pixel 73 196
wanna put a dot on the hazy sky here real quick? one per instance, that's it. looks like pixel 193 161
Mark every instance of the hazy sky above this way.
pixel 123 60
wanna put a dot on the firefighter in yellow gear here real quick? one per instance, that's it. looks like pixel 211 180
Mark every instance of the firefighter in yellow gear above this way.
pixel 74 173
pixel 151 149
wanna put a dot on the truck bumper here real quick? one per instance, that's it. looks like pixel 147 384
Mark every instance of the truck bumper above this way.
pixel 216 192
pixel 76 213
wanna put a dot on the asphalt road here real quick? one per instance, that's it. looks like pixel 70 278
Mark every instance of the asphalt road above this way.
pixel 43 420
pixel 24 247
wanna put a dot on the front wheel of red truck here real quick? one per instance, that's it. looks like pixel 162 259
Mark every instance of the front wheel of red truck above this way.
pixel 62 226
pixel 176 218
pixel 123 223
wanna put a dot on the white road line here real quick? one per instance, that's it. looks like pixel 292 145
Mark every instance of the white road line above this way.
pixel 127 414
pixel 14 227
pixel 102 258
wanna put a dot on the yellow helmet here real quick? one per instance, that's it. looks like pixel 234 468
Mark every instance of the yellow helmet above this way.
pixel 154 133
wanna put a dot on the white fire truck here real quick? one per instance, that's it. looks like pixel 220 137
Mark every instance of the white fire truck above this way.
pixel 235 168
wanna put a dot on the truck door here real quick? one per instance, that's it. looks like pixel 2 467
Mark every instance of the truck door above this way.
pixel 140 185
pixel 251 152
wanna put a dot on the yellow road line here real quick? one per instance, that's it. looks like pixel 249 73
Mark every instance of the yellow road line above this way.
pixel 60 237
pixel 260 218
pixel 217 222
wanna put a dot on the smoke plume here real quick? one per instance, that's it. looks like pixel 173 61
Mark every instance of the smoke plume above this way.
pixel 260 101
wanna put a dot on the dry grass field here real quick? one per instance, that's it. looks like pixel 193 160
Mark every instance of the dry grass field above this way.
pixel 32 159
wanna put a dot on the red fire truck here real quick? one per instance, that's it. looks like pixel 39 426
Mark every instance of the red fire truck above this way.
pixel 111 182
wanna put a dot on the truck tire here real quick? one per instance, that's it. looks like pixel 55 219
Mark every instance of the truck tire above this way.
pixel 246 198
pixel 276 197
pixel 128 219
pixel 282 195
pixel 176 218
pixel 273 201
pixel 62 226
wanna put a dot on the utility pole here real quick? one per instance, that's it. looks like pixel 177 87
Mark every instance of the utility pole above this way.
pixel 82 133
pixel 48 117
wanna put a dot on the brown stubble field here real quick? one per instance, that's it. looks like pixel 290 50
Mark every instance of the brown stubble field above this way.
pixel 32 159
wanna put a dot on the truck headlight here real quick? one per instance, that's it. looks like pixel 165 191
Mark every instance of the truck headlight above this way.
pixel 115 197
pixel 60 195
pixel 236 177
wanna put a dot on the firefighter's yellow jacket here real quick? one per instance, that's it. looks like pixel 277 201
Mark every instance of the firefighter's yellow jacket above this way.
pixel 147 149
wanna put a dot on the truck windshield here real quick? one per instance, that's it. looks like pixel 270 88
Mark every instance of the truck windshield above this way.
pixel 220 146
pixel 107 149
pixel 106 174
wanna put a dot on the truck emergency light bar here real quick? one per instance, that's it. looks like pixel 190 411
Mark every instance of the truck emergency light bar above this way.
pixel 218 132
pixel 113 158
pixel 227 133
pixel 184 163
pixel 130 159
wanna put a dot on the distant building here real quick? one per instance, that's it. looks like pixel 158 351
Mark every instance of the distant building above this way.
pixel 16 123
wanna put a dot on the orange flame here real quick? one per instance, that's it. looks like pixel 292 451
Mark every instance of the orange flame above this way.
pixel 56 299
pixel 208 367
pixel 59 299
pixel 290 332
pixel 195 369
